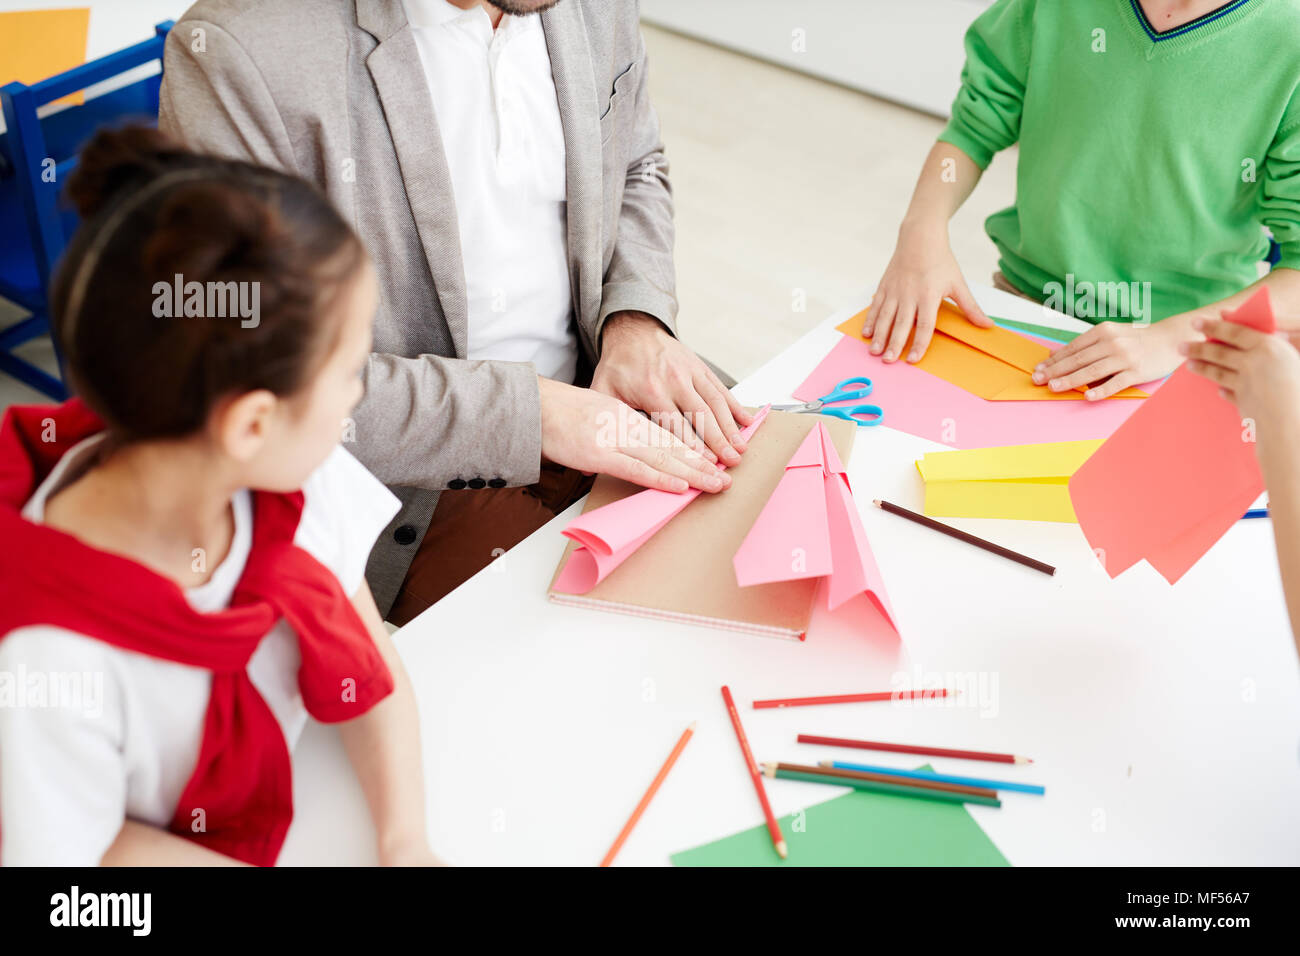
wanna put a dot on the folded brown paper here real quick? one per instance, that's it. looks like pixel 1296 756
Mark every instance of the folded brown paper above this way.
pixel 685 572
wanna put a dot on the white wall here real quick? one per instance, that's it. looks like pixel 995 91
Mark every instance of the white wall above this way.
pixel 908 51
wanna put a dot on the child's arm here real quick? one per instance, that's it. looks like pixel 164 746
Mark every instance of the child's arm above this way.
pixel 384 747
pixel 923 270
pixel 140 844
pixel 1116 354
pixel 1261 374
pixel 985 119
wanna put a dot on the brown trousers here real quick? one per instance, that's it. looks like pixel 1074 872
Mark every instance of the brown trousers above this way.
pixel 472 527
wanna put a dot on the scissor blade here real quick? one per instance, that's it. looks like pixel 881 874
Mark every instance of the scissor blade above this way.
pixel 798 409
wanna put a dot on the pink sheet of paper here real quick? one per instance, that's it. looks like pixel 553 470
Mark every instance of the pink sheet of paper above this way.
pixel 1175 477
pixel 927 406
pixel 608 535
pixel 790 538
pixel 812 515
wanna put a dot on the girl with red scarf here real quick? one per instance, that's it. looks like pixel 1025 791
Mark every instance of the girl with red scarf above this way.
pixel 182 579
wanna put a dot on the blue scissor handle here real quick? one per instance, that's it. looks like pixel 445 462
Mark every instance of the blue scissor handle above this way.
pixel 854 413
pixel 841 392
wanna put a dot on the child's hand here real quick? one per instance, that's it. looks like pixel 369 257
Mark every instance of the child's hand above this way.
pixel 1113 356
pixel 919 276
pixel 1259 373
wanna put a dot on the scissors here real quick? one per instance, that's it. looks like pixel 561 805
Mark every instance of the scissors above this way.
pixel 842 392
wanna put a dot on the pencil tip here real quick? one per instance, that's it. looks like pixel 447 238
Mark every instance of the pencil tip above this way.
pixel 782 850
pixel 692 726
pixel 876 502
pixel 825 763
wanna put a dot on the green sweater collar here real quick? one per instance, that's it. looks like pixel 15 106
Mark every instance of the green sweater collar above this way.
pixel 1189 34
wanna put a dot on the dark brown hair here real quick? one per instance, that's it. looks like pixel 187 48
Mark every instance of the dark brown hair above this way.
pixel 153 210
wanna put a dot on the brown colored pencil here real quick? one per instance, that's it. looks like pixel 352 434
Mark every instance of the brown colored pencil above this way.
pixel 871 786
pixel 885 778
pixel 952 532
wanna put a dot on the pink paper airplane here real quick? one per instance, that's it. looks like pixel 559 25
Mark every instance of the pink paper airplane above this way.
pixel 810 528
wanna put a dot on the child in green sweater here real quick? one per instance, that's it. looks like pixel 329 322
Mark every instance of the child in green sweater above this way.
pixel 1158 140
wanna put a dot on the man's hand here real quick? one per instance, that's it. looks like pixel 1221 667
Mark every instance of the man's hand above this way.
pixel 1112 356
pixel 592 432
pixel 642 365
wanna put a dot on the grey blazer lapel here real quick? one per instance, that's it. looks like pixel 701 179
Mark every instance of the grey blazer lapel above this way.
pixel 575 89
pixel 404 92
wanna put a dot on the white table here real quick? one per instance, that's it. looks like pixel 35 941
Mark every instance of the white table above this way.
pixel 1163 720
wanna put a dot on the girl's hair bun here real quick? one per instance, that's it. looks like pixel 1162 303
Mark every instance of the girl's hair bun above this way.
pixel 118 161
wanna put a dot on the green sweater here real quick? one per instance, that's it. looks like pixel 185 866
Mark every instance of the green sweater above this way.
pixel 1144 157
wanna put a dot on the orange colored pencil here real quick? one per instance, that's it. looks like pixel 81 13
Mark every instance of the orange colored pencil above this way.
pixel 649 795
pixel 773 828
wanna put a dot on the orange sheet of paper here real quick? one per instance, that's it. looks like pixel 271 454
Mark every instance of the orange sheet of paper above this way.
pixel 994 364
pixel 37 44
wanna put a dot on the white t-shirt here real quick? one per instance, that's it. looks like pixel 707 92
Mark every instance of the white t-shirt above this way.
pixel 91 734
pixel 494 97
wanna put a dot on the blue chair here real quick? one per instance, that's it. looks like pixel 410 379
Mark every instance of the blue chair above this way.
pixel 36 156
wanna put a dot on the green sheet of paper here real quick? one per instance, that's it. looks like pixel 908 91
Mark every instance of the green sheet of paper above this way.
pixel 860 829
pixel 1042 331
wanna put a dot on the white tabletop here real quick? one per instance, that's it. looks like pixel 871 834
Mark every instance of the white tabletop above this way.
pixel 1162 720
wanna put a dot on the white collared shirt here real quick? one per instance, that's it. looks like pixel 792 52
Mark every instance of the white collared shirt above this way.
pixel 494 97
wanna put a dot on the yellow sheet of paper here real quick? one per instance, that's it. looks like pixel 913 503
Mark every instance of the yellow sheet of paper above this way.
pixel 37 44
pixel 994 363
pixel 1022 482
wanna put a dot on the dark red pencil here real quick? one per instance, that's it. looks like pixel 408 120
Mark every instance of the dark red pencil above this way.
pixel 911 749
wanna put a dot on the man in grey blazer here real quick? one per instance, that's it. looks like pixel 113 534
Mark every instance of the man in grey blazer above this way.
pixel 353 95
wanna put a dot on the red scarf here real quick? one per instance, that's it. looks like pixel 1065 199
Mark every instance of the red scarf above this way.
pixel 239 800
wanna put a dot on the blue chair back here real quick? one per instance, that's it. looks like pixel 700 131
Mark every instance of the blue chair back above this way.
pixel 36 156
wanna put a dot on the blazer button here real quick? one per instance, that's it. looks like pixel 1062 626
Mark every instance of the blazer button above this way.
pixel 404 535
pixel 497 483
pixel 456 484
pixel 477 483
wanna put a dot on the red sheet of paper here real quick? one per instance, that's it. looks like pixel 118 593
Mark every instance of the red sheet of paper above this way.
pixel 1175 476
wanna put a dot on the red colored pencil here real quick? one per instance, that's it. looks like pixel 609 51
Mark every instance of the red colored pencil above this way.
pixel 910 749
pixel 850 698
pixel 649 795
pixel 773 828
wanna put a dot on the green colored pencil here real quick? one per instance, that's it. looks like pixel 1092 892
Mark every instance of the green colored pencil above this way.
pixel 944 796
